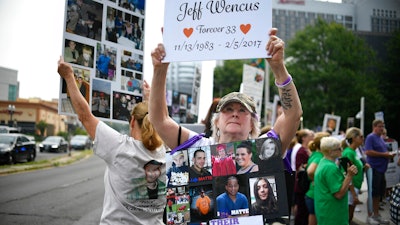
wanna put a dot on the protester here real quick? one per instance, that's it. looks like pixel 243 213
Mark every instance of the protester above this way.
pixel 304 136
pixel 126 157
pixel 236 118
pixel 354 139
pixel 235 107
pixel 331 186
pixel 314 146
pixel 378 158
pixel 290 177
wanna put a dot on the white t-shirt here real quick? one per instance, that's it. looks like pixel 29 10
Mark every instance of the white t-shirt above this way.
pixel 296 148
pixel 126 199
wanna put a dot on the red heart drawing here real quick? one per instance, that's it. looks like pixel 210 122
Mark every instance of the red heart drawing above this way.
pixel 245 28
pixel 188 32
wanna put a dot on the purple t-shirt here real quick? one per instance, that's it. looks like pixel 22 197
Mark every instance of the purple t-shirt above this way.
pixel 376 143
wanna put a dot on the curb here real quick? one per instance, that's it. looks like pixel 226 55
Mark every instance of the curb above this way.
pixel 56 162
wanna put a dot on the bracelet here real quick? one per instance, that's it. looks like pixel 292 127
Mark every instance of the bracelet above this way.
pixel 285 83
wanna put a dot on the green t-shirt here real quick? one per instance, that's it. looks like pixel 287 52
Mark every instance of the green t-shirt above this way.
pixel 352 156
pixel 328 180
pixel 315 157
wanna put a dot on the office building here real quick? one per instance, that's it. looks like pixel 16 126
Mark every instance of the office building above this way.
pixel 9 85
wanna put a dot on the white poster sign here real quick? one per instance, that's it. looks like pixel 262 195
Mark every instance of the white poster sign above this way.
pixel 104 43
pixel 253 84
pixel 392 174
pixel 211 30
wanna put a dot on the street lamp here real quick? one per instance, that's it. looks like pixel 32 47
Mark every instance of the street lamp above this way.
pixel 11 110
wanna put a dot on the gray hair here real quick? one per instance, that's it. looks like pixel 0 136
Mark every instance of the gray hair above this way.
pixel 328 144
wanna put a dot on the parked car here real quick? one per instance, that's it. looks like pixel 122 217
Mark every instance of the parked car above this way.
pixel 54 144
pixel 16 147
pixel 81 142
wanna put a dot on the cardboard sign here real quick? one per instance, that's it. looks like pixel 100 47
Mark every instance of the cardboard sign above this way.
pixel 200 181
pixel 210 30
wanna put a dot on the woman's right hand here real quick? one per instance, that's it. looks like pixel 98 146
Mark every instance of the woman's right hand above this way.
pixel 157 55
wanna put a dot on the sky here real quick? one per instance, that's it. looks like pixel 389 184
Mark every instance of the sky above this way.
pixel 31 43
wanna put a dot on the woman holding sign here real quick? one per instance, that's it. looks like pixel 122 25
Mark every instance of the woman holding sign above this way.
pixel 134 180
pixel 235 118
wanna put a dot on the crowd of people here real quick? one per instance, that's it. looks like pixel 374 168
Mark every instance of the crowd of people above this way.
pixel 336 167
pixel 136 163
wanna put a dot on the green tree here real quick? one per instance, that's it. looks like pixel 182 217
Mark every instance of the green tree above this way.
pixel 390 86
pixel 63 134
pixel 80 131
pixel 331 68
pixel 227 78
pixel 41 126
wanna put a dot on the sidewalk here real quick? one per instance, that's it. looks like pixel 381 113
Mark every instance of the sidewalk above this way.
pixel 360 218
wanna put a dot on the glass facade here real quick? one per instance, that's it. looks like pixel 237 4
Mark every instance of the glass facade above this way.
pixel 12 92
pixel 384 21
pixel 289 22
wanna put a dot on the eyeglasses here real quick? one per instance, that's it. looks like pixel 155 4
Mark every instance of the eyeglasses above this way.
pixel 340 149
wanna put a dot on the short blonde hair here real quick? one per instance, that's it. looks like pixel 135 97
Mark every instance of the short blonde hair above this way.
pixel 328 144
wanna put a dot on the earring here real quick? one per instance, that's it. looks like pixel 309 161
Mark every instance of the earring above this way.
pixel 218 132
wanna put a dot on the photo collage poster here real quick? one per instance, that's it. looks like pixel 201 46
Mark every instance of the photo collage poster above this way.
pixel 202 181
pixel 179 107
pixel 103 41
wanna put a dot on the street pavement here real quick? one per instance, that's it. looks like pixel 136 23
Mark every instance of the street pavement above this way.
pixel 360 218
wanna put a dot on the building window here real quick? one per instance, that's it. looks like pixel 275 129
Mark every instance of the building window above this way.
pixel 12 92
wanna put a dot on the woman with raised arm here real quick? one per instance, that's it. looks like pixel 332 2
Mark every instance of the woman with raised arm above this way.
pixel 134 180
pixel 235 118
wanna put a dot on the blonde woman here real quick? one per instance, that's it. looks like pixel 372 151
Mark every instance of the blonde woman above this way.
pixel 312 164
pixel 331 186
pixel 354 139
pixel 134 193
